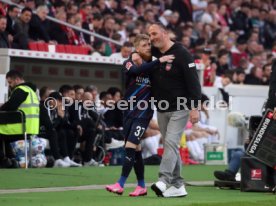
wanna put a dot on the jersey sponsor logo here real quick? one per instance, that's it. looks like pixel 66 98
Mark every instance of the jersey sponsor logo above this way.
pixel 128 65
pixel 142 80
pixel 191 65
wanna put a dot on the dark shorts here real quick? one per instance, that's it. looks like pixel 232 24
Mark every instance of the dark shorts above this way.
pixel 134 128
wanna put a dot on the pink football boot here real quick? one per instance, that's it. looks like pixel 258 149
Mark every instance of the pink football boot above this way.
pixel 139 191
pixel 115 188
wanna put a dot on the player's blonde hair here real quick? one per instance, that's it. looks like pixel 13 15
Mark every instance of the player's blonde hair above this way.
pixel 140 37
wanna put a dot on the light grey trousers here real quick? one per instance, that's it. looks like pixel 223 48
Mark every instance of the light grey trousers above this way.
pixel 171 126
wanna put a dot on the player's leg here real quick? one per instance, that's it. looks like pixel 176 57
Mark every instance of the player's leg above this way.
pixel 130 149
pixel 139 127
pixel 118 187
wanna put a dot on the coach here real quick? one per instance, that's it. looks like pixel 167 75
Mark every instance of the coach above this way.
pixel 173 83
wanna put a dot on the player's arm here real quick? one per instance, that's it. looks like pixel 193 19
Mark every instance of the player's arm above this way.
pixel 131 68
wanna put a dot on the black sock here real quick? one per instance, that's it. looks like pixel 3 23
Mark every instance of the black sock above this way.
pixel 127 166
pixel 139 168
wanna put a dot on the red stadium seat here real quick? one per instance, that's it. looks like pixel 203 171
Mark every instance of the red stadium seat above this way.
pixel 60 48
pixel 76 49
pixel 42 47
pixel 68 49
pixel 33 46
pixel 86 50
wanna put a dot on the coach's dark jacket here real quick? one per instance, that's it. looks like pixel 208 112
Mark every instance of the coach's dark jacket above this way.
pixel 181 80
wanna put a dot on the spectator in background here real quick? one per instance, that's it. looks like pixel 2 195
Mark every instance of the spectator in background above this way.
pixel 114 121
pixel 126 50
pixel 108 27
pixel 253 48
pixel 184 8
pixel 186 42
pixel 148 16
pixel 222 63
pixel 86 120
pixel 59 6
pixel 267 68
pixel 113 118
pixel 104 98
pixel 68 92
pixel 76 37
pixel 174 22
pixel 30 4
pixel 222 81
pixel 94 24
pixel 209 73
pixel 21 28
pixel 59 32
pixel 255 77
pixel 239 51
pixel 79 91
pixel 241 20
pixel 12 14
pixel 39 25
pixel 49 121
pixel 72 8
pixel 239 76
pixel 67 126
pixel 99 48
pixel 2 9
pixel 94 92
pixel 198 9
pixel 85 11
pixel 165 17
pixel 222 15
pixel 255 60
pixel 210 15
pixel 270 28
pixel 4 42
pixel 44 93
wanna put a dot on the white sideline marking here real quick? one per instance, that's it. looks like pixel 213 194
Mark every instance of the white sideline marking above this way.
pixel 87 187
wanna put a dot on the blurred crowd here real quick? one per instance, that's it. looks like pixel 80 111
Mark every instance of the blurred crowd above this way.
pixel 229 38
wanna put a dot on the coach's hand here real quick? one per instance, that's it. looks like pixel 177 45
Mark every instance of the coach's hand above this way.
pixel 194 116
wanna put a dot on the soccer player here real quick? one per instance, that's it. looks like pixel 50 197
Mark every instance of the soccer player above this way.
pixel 137 69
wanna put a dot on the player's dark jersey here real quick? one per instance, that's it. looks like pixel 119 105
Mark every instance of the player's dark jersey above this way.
pixel 138 88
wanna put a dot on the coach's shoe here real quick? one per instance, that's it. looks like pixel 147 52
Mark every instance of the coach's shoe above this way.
pixel 175 192
pixel 159 187
pixel 139 191
pixel 115 188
